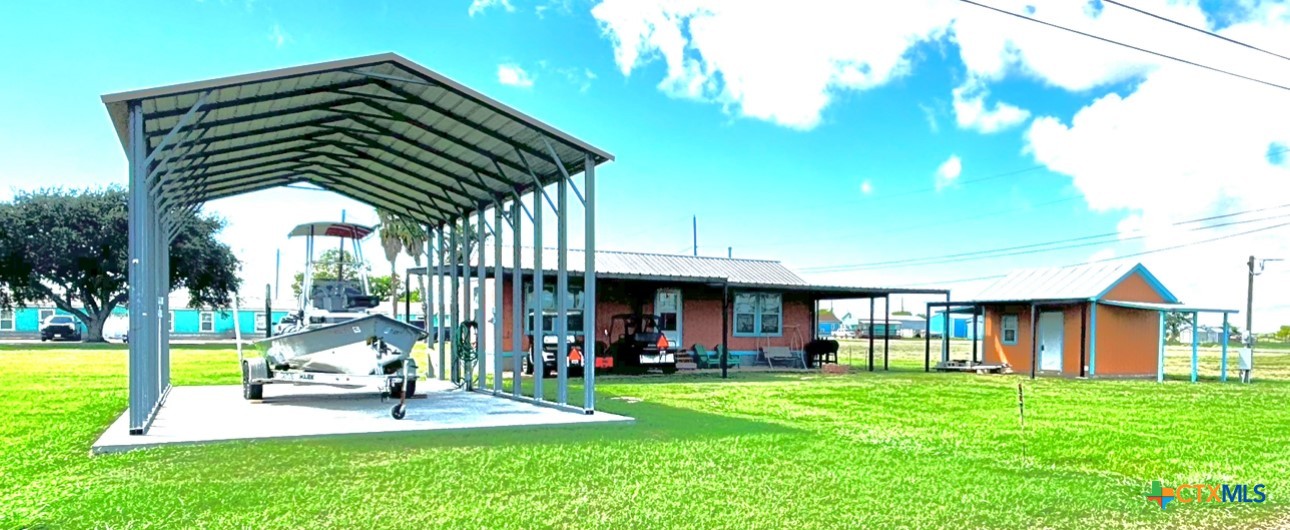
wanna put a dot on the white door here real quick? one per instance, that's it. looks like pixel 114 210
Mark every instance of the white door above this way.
pixel 1050 341
pixel 667 307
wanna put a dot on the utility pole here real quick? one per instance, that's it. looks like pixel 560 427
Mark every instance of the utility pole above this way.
pixel 1249 309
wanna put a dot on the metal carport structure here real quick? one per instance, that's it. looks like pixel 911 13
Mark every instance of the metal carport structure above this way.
pixel 380 129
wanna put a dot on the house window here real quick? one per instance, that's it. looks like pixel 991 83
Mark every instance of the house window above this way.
pixel 207 322
pixel 259 322
pixel 45 313
pixel 1009 325
pixel 6 320
pixel 758 314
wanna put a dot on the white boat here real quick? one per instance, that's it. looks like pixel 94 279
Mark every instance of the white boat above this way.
pixel 332 339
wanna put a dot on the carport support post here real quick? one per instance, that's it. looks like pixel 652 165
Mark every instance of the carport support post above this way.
pixel 440 315
pixel 517 298
pixel 140 403
pixel 539 360
pixel 1160 362
pixel 481 309
pixel 871 332
pixel 1195 342
pixel 454 269
pixel 1092 339
pixel 589 333
pixel 945 337
pixel 975 331
pixel 498 274
pixel 1222 376
pixel 562 292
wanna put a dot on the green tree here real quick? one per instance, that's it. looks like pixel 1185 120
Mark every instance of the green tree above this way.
pixel 71 247
pixel 329 266
pixel 1283 334
pixel 901 314
pixel 381 287
pixel 400 234
pixel 1175 323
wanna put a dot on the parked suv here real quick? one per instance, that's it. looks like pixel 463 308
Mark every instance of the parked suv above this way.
pixel 60 326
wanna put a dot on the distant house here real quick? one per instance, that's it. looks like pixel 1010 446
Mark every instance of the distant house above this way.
pixel 960 326
pixel 185 322
pixel 828 322
pixel 1206 335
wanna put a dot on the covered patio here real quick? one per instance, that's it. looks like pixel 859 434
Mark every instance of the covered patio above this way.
pixel 381 130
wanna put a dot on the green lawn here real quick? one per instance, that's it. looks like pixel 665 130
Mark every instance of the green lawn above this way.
pixel 762 450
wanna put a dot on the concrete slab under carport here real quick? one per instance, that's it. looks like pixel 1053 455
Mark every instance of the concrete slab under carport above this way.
pixel 203 414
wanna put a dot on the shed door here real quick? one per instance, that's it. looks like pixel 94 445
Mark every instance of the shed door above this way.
pixel 667 305
pixel 1050 341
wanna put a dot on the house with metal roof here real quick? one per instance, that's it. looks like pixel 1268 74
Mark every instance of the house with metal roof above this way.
pixel 1102 319
pixel 744 304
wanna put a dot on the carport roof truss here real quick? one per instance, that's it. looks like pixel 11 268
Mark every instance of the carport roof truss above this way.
pixel 379 129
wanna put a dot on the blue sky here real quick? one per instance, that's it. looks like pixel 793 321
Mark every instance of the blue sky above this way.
pixel 812 135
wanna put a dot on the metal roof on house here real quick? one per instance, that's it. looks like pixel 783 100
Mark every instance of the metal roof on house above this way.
pixel 736 272
pixel 1080 282
pixel 380 129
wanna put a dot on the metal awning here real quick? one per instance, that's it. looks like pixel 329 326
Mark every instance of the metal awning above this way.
pixel 1176 308
pixel 381 129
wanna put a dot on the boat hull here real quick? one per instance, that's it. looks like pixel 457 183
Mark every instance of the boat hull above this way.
pixel 350 347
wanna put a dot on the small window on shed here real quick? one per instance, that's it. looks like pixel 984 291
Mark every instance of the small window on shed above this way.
pixel 1009 326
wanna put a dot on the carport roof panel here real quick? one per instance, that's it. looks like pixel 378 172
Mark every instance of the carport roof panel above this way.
pixel 383 124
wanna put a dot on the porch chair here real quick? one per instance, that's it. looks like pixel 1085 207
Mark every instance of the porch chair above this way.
pixel 782 354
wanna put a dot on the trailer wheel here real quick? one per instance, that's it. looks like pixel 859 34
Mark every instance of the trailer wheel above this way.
pixel 398 411
pixel 250 391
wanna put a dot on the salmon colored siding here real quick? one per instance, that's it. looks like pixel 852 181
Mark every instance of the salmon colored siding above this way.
pixel 1019 355
pixel 700 314
pixel 1128 342
pixel 1134 288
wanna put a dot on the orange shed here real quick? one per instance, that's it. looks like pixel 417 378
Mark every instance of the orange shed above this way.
pixel 1102 320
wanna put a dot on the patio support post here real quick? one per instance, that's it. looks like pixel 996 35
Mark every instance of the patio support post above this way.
pixel 441 313
pixel 871 332
pixel 1034 342
pixel 927 338
pixel 481 309
pixel 538 296
pixel 589 333
pixel 886 330
pixel 1092 339
pixel 1160 362
pixel 497 298
pixel 454 271
pixel 1223 363
pixel 945 337
pixel 976 335
pixel 517 298
pixel 725 329
pixel 1195 343
pixel 1083 337
pixel 562 292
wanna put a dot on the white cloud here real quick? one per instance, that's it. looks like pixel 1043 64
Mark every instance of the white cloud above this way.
pixel 866 188
pixel 512 75
pixel 782 63
pixel 948 172
pixel 278 36
pixel 929 113
pixel 971 113
pixel 1186 144
pixel 479 6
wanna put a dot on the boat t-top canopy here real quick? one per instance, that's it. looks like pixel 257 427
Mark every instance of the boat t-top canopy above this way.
pixel 380 129
pixel 330 229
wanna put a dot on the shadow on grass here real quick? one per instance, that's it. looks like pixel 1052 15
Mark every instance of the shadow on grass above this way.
pixel 654 422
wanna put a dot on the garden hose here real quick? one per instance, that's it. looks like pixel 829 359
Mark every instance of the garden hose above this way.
pixel 464 354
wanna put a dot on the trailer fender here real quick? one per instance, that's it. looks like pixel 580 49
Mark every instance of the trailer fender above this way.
pixel 257 368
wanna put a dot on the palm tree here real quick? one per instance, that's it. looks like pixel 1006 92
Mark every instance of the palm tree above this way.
pixel 400 234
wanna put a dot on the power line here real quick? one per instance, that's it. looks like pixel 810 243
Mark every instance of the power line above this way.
pixel 967 181
pixel 1130 46
pixel 1194 28
pixel 1035 247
